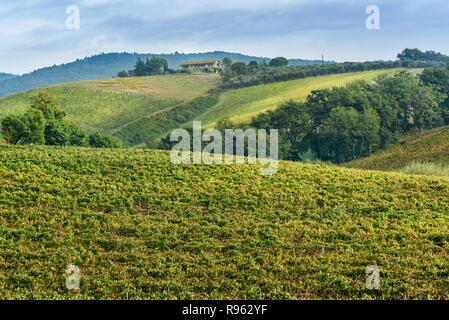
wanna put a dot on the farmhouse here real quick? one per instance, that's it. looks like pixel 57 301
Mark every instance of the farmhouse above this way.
pixel 211 65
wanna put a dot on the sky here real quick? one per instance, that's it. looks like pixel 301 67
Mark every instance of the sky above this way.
pixel 40 33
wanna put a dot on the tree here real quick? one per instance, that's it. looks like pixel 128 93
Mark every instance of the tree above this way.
pixel 35 123
pixel 425 108
pixel 13 129
pixel 156 66
pixel 227 62
pixel 294 124
pixel 224 123
pixel 411 54
pixel 414 102
pixel 279 62
pixel 56 133
pixel 228 74
pixel 438 78
pixel 338 135
pixel 47 104
pixel 253 64
pixel 77 135
pixel 122 74
pixel 240 68
pixel 369 128
pixel 427 56
pixel 140 68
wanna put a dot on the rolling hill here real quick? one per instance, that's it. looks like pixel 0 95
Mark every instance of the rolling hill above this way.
pixel 429 146
pixel 143 108
pixel 240 105
pixel 107 65
pixel 135 223
pixel 111 104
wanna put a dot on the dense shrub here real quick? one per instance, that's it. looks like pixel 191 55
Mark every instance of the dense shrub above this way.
pixel 100 140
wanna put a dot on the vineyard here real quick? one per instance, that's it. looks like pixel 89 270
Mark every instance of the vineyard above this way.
pixel 240 105
pixel 143 108
pixel 136 224
pixel 430 146
pixel 111 104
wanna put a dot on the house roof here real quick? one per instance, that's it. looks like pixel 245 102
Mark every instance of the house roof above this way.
pixel 198 62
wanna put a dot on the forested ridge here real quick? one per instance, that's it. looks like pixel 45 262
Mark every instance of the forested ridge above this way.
pixel 106 65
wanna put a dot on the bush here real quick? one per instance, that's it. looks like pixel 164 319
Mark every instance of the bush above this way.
pixel 35 124
pixel 43 123
pixel 77 135
pixel 56 134
pixel 13 129
pixel 100 140
pixel 122 74
pixel 279 62
pixel 240 68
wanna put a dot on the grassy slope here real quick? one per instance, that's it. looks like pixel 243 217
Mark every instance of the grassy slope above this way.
pixel 430 146
pixel 112 103
pixel 242 104
pixel 133 222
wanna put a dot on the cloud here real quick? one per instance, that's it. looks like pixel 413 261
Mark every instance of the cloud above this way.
pixel 33 32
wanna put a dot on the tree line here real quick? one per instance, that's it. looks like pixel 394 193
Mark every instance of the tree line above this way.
pixel 344 123
pixel 263 73
pixel 44 123
pixel 244 75
pixel 153 66
pixel 426 56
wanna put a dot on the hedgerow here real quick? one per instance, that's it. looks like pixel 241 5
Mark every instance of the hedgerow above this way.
pixel 266 74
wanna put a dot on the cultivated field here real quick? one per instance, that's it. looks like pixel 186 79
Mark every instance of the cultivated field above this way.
pixel 126 106
pixel 135 223
pixel 241 105
pixel 430 146
pixel 110 104
pixel 182 86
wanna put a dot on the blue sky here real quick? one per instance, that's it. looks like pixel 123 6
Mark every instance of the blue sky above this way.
pixel 33 33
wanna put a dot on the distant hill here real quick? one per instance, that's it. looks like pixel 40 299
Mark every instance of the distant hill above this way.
pixel 107 65
pixel 5 76
pixel 429 146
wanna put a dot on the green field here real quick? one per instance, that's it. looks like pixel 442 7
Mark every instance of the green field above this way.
pixel 128 106
pixel 135 223
pixel 430 146
pixel 113 103
pixel 241 105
